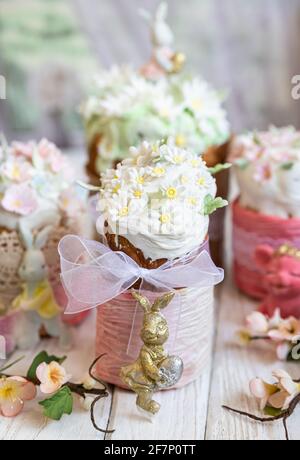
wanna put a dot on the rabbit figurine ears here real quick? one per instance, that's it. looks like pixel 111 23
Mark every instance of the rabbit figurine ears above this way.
pixel 159 304
pixel 162 34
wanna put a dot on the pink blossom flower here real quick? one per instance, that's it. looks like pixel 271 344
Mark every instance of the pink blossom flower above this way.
pixel 262 391
pixel 13 392
pixel 278 395
pixel 288 390
pixel 16 169
pixel 287 330
pixel 257 323
pixel 52 155
pixel 71 203
pixel 52 377
pixel 46 149
pixel 263 172
pixel 22 149
pixel 20 199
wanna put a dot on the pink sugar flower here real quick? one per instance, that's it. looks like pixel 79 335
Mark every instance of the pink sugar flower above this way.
pixel 23 149
pixel 46 148
pixel 263 172
pixel 16 169
pixel 20 199
pixel 287 330
pixel 257 323
pixel 13 392
pixel 278 395
pixel 52 377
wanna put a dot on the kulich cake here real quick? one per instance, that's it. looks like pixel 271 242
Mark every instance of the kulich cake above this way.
pixel 156 204
pixel 38 205
pixel 155 208
pixel 267 212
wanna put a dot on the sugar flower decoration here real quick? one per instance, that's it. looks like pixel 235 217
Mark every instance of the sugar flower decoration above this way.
pixel 36 175
pixel 284 333
pixel 14 391
pixel 126 107
pixel 20 199
pixel 160 192
pixel 52 377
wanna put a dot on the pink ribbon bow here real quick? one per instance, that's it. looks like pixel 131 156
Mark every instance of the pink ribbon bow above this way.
pixel 93 274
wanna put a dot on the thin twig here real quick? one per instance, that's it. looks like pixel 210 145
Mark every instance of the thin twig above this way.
pixel 284 416
pixel 9 365
pixel 254 417
pixel 104 394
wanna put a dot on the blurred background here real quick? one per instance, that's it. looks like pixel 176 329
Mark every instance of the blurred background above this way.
pixel 50 50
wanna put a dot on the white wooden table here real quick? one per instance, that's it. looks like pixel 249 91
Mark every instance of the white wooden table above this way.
pixel 192 413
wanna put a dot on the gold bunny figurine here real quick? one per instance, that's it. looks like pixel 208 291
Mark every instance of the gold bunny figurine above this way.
pixel 154 369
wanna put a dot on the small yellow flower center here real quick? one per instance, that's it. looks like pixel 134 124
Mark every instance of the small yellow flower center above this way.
pixel 159 171
pixel 184 180
pixel 164 112
pixel 201 181
pixel 197 103
pixel 55 375
pixel 192 201
pixel 17 203
pixel 16 173
pixel 8 390
pixel 178 159
pixel 195 163
pixel 140 180
pixel 137 194
pixel 180 140
pixel 165 218
pixel 171 193
pixel 117 188
pixel 124 212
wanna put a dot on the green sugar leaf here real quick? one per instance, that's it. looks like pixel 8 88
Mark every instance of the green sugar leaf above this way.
pixel 59 404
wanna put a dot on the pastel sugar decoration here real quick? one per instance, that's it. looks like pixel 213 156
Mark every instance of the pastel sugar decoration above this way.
pixel 281 280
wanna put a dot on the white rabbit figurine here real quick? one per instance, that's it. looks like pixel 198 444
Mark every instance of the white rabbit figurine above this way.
pixel 164 59
pixel 37 300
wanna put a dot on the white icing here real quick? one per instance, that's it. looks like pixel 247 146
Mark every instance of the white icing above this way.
pixel 156 200
pixel 267 166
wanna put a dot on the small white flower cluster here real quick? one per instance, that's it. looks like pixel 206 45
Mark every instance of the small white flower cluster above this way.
pixel 160 189
pixel 126 108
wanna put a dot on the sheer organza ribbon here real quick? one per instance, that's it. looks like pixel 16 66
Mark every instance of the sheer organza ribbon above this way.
pixel 93 274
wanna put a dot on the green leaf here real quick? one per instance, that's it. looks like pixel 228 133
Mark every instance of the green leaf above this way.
pixel 272 412
pixel 42 357
pixel 256 139
pixel 219 167
pixel 287 166
pixel 59 404
pixel 212 204
pixel 242 163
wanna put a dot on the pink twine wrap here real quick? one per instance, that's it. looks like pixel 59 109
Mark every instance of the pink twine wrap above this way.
pixel 250 230
pixel 192 326
pixel 94 275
